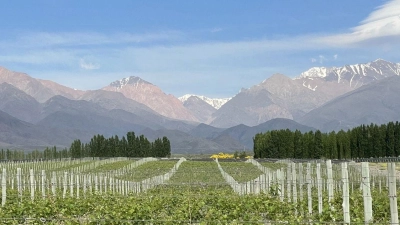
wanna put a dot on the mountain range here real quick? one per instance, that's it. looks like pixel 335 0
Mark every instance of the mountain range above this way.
pixel 37 113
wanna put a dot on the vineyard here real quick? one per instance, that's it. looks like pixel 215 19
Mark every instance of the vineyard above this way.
pixel 214 191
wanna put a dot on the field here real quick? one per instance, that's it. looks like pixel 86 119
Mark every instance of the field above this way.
pixel 180 191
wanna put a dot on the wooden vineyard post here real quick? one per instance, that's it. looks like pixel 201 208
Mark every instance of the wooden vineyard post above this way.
pixel 308 177
pixel 366 193
pixel 111 185
pixel 125 187
pixel 270 178
pixel 394 215
pixel 319 187
pixel 3 187
pixel 301 181
pixel 65 184
pixel 105 183
pixel 380 186
pixel 288 180
pixel 96 184
pixel 43 184
pixel 90 184
pixel 77 186
pixel 330 180
pixel 71 184
pixel 53 183
pixel 294 182
pixel 84 185
pixel 281 184
pixel 19 183
pixel 32 184
pixel 99 183
pixel 346 200
pixel 352 187
pixel 262 185
pixel 257 186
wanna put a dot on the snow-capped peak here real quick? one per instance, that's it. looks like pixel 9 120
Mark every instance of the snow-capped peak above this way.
pixel 128 80
pixel 316 72
pixel 214 102
pixel 354 74
pixel 380 60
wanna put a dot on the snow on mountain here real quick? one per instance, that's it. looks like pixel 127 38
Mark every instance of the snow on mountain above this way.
pixel 128 80
pixel 356 75
pixel 214 102
pixel 316 72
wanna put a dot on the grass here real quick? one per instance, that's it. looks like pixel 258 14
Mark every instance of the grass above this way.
pixel 199 175
pixel 149 169
pixel 241 171
pixel 72 166
pixel 273 166
pixel 111 166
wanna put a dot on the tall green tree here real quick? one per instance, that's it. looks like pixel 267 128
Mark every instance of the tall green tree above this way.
pixel 76 149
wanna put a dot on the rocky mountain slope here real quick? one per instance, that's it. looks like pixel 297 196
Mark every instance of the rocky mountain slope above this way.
pixel 250 107
pixel 335 81
pixel 47 114
pixel 282 97
pixel 19 104
pixel 17 134
pixel 41 90
pixel 62 90
pixel 376 102
pixel 214 102
pixel 352 75
pixel 146 93
pixel 199 108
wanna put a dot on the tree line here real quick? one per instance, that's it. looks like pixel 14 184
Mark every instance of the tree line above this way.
pixel 99 146
pixel 129 146
pixel 47 153
pixel 364 141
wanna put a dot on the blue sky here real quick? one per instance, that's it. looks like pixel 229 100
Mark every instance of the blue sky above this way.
pixel 211 48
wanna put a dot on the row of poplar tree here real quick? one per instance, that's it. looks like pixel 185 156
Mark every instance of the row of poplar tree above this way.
pixel 364 141
pixel 99 146
pixel 48 153
pixel 129 146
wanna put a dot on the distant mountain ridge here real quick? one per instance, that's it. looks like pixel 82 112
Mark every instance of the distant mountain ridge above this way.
pixel 376 102
pixel 282 97
pixel 146 93
pixel 214 102
pixel 41 90
pixel 129 80
pixel 322 98
pixel 199 108
pixel 354 75
pixel 19 104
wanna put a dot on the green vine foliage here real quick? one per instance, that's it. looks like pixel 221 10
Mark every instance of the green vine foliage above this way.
pixel 177 205
pixel 195 194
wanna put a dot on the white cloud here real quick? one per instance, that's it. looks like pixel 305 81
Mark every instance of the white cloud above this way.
pixel 62 39
pixel 88 65
pixel 384 22
pixel 40 57
pixel 164 55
